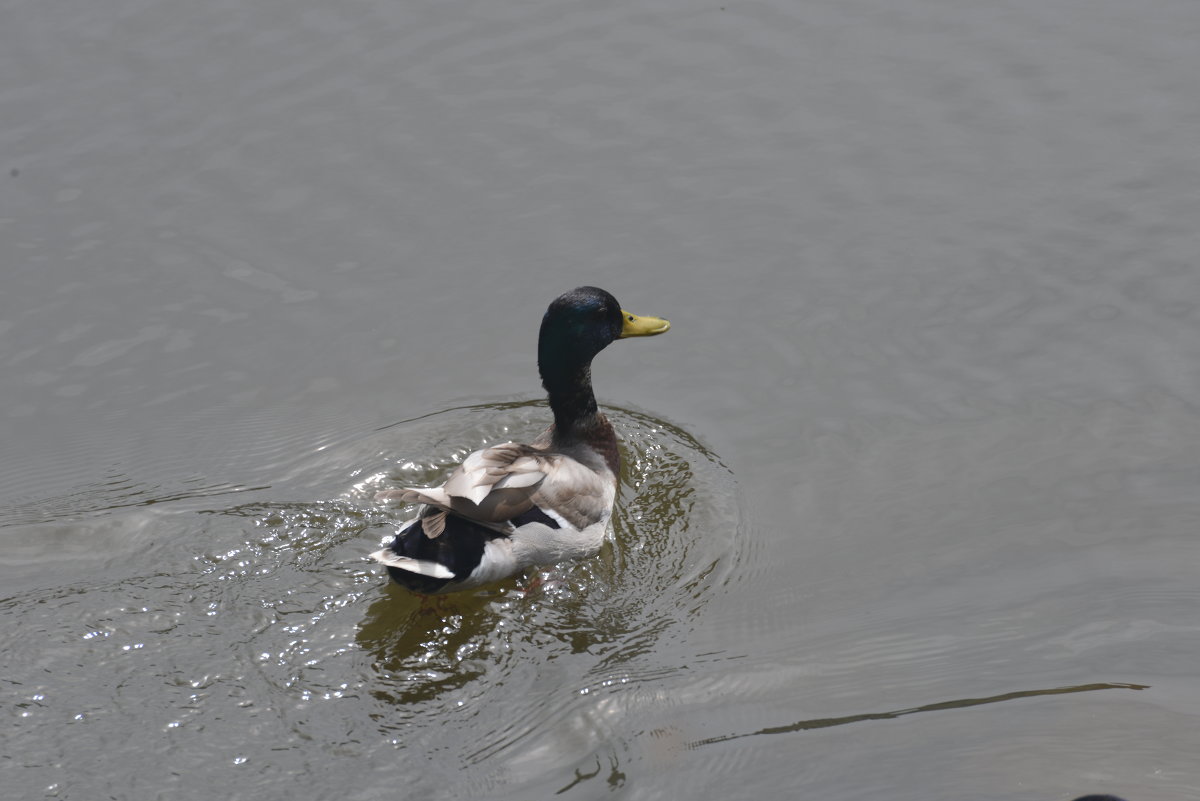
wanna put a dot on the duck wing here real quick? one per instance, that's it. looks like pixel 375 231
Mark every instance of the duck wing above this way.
pixel 492 485
pixel 575 494
pixel 495 485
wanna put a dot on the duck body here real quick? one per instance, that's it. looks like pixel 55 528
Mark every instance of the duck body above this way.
pixel 502 510
pixel 511 506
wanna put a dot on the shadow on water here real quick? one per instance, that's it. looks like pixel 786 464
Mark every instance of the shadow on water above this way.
pixel 406 635
pixel 941 706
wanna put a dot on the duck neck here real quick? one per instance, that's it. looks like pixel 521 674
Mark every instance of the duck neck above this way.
pixel 572 401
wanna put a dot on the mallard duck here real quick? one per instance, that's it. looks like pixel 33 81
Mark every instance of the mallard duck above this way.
pixel 511 506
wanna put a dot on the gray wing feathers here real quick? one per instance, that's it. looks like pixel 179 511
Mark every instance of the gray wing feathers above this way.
pixel 495 484
pixel 491 486
pixel 575 492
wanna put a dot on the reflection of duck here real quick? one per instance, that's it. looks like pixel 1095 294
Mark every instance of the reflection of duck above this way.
pixel 418 650
pixel 511 506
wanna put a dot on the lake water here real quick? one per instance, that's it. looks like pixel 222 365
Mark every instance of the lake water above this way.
pixel 909 507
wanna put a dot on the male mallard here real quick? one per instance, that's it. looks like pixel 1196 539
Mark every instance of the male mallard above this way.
pixel 511 506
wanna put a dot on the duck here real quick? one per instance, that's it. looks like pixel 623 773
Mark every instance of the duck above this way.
pixel 512 506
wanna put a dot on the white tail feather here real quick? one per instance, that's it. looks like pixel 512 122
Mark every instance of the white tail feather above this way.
pixel 419 566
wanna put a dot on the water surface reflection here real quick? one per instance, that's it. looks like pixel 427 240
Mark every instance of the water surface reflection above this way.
pixel 598 622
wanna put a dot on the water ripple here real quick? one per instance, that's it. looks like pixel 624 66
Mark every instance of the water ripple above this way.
pixel 519 662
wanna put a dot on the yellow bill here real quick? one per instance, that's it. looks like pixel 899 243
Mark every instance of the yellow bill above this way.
pixel 634 326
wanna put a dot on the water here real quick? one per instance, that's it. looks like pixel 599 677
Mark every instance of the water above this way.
pixel 909 504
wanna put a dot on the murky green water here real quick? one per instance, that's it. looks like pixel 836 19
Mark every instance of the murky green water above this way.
pixel 909 502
